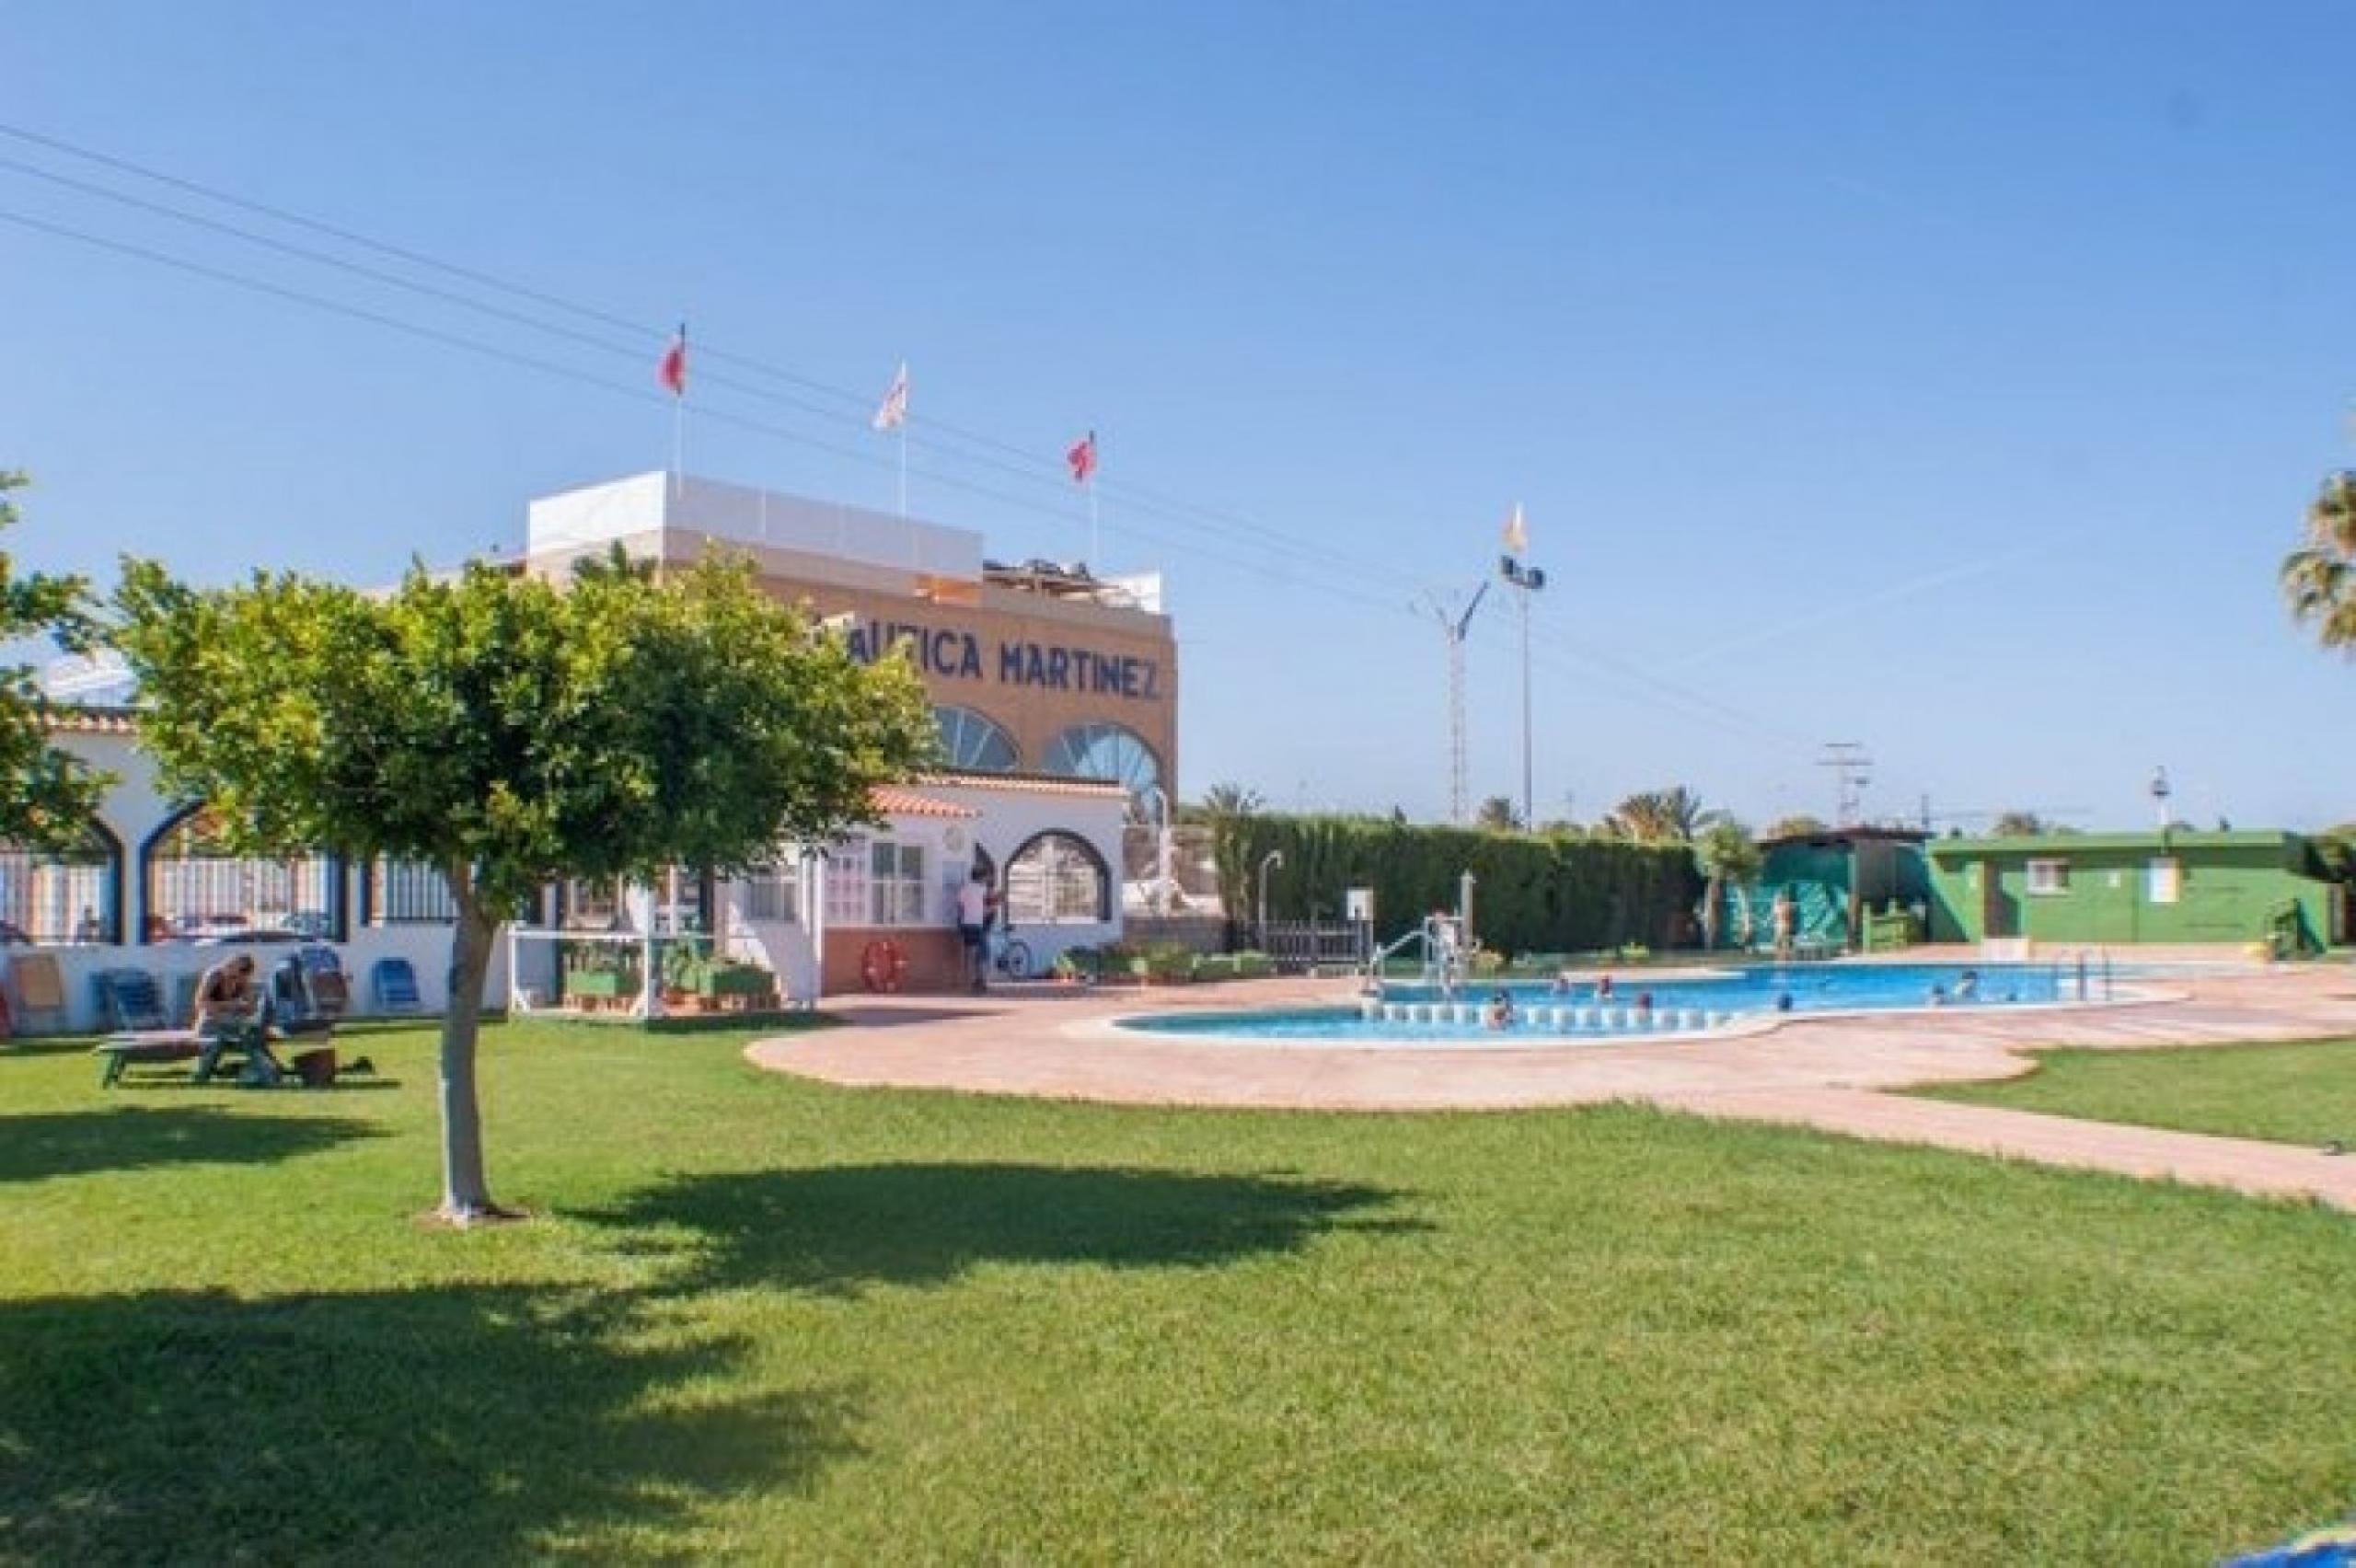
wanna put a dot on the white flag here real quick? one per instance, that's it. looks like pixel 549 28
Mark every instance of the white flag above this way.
pixel 1517 537
pixel 893 412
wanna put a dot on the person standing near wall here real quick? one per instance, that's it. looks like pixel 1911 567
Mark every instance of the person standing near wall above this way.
pixel 973 926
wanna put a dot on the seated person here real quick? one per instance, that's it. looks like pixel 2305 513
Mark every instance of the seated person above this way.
pixel 228 1011
pixel 1499 1013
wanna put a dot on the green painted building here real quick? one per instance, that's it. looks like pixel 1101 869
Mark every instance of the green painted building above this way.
pixel 1833 878
pixel 2179 886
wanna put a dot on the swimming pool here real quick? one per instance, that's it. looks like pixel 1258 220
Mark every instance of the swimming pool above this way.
pixel 1640 1004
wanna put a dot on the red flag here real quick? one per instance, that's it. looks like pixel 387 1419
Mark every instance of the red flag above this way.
pixel 675 363
pixel 1082 458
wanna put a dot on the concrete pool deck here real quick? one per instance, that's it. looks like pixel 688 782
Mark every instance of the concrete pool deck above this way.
pixel 1829 1073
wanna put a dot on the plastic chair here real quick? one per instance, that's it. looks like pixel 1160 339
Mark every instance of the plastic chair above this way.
pixel 393 984
pixel 131 1001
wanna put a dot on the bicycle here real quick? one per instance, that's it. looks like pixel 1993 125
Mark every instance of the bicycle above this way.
pixel 1008 954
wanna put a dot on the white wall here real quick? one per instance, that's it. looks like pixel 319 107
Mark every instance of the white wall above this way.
pixel 1014 815
pixel 134 808
pixel 427 948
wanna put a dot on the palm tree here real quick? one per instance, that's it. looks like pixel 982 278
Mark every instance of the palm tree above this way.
pixel 1221 802
pixel 1660 816
pixel 2319 578
pixel 1727 853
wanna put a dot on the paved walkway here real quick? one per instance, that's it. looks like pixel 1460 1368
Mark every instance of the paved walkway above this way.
pixel 1819 1073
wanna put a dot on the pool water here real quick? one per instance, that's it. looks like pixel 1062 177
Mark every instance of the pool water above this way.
pixel 1639 1004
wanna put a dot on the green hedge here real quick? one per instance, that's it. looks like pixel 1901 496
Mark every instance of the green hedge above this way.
pixel 1535 893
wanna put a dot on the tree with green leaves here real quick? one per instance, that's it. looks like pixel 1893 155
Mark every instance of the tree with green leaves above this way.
pixel 513 731
pixel 1727 855
pixel 2016 824
pixel 2318 579
pixel 1223 801
pixel 1498 814
pixel 1660 816
pixel 1799 824
pixel 47 797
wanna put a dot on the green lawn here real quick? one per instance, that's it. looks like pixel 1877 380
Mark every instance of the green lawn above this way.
pixel 767 1320
pixel 2303 1093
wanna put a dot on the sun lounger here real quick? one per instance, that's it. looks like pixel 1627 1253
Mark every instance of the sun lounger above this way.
pixel 40 990
pixel 131 1001
pixel 119 1051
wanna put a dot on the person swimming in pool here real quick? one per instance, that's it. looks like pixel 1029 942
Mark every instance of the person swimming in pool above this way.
pixel 1966 985
pixel 1603 987
pixel 1499 1013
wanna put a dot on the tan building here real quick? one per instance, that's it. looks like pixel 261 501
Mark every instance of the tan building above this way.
pixel 1033 668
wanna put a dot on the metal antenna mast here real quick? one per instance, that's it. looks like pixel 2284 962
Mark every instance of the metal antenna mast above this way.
pixel 1453 625
pixel 1849 765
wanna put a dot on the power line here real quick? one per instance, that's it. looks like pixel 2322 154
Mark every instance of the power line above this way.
pixel 1324 564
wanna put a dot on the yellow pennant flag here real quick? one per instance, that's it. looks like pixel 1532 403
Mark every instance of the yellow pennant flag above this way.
pixel 1517 537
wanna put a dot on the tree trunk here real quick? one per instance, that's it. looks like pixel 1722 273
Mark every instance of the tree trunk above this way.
pixel 1710 917
pixel 466 1194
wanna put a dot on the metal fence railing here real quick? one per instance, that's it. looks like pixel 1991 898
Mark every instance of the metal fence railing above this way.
pixel 1300 945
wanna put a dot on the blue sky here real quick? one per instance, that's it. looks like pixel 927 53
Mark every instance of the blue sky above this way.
pixel 1948 379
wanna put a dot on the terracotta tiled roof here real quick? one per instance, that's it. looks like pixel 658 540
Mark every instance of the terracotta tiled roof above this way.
pixel 893 800
pixel 1029 783
pixel 92 720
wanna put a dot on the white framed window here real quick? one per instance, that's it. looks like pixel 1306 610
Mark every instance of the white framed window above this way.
pixel 2049 879
pixel 592 906
pixel 895 883
pixel 2163 880
pixel 774 891
pixel 1057 879
pixel 847 883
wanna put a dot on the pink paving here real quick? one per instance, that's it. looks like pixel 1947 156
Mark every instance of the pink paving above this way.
pixel 1817 1073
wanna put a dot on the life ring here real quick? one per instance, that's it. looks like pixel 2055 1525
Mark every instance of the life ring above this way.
pixel 881 965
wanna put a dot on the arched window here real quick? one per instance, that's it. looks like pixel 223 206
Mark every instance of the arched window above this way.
pixel 49 897
pixel 1104 751
pixel 197 887
pixel 973 743
pixel 1057 879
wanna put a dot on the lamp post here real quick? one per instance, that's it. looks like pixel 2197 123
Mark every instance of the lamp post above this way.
pixel 1525 580
pixel 1260 930
pixel 2160 792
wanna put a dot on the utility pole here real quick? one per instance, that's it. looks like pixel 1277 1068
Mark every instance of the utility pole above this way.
pixel 1526 579
pixel 1453 625
pixel 1849 765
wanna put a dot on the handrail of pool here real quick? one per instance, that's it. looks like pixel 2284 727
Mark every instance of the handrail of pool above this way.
pixel 1423 933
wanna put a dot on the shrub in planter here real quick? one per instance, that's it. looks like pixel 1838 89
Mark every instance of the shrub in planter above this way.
pixel 1252 965
pixel 1216 966
pixel 1164 962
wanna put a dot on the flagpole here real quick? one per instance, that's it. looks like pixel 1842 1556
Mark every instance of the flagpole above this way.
pixel 1093 542
pixel 904 467
pixel 678 443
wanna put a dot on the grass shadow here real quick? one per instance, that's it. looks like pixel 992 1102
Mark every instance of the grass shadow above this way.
pixel 469 1424
pixel 74 1143
pixel 842 1227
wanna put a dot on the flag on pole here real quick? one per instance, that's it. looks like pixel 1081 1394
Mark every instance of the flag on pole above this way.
pixel 1517 537
pixel 1082 458
pixel 893 412
pixel 675 363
